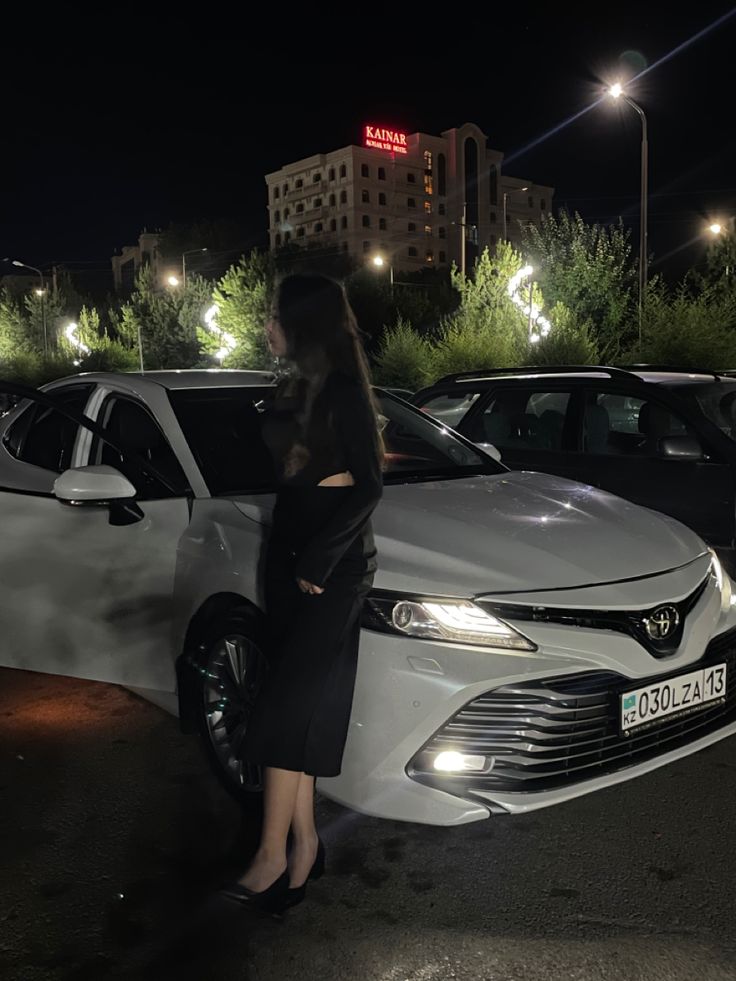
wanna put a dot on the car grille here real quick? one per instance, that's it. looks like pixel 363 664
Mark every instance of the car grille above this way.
pixel 560 731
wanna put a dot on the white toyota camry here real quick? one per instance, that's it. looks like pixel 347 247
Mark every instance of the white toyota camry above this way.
pixel 528 640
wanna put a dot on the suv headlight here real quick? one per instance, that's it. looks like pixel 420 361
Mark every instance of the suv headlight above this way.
pixel 456 621
pixel 723 581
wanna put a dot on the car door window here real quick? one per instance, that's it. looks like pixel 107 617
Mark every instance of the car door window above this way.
pixel 135 429
pixel 43 436
pixel 627 425
pixel 523 418
pixel 450 407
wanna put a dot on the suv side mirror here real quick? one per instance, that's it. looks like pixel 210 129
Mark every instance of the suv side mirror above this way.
pixel 490 449
pixel 681 448
pixel 93 485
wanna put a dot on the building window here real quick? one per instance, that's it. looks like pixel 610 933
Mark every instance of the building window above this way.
pixel 428 186
pixel 411 227
pixel 429 257
pixel 298 182
pixel 364 171
pixel 333 225
pixel 286 213
pixel 366 221
pixel 412 251
pixel 365 197
pixel 343 170
pixel 366 246
pixel 331 174
pixel 443 257
pixel 276 193
pixel 381 198
pixel 443 232
pixel 543 204
pixel 428 207
pixel 278 240
pixel 411 203
pixel 493 217
pixel 428 230
pixel 317 203
pixel 428 161
pixel 300 233
pixel 440 209
pixel 382 224
pixel 287 237
pixel 382 173
pixel 333 200
pixel 343 197
pixel 493 178
pixel 411 177
pixel 299 208
pixel 277 217
pixel 531 201
pixel 285 189
pixel 317 178
pixel 344 221
pixel 318 228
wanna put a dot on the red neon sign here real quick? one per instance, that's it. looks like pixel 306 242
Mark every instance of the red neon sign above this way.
pixel 379 138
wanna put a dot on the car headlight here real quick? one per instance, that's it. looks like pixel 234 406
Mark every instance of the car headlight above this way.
pixel 723 582
pixel 455 621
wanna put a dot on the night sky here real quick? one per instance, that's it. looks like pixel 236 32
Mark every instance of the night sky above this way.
pixel 142 124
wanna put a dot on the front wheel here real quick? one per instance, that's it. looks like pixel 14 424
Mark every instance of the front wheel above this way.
pixel 232 670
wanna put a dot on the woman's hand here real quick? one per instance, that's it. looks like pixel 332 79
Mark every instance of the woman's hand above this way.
pixel 309 587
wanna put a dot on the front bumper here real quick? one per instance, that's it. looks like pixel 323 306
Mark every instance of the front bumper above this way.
pixel 411 693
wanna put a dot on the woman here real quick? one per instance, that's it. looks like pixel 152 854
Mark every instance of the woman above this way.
pixel 323 433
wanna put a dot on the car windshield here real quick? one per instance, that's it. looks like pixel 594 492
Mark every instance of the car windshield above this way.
pixel 222 427
pixel 718 402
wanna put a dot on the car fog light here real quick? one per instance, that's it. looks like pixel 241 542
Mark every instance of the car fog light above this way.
pixel 452 762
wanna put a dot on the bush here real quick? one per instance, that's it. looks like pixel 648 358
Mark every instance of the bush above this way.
pixel 689 331
pixel 404 358
pixel 568 343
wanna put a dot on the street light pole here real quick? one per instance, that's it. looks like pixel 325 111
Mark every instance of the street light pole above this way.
pixel 618 93
pixel 505 197
pixel 42 294
pixel 184 263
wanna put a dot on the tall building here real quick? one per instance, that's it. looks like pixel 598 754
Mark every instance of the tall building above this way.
pixel 126 265
pixel 416 200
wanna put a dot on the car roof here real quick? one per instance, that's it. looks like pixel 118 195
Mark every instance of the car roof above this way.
pixel 143 382
pixel 668 377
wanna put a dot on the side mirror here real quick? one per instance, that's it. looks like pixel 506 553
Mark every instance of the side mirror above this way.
pixel 681 448
pixel 490 449
pixel 93 485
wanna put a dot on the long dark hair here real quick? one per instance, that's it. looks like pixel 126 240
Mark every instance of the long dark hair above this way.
pixel 322 336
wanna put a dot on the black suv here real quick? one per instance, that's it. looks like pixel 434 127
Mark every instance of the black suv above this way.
pixel 661 437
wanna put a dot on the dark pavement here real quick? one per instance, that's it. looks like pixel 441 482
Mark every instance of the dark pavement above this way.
pixel 113 837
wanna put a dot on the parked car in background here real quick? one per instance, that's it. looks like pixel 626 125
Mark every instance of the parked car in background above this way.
pixel 528 639
pixel 660 437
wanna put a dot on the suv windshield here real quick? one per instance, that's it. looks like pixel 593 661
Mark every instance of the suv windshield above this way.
pixel 222 427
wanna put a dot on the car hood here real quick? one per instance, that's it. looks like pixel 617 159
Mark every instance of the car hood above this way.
pixel 519 531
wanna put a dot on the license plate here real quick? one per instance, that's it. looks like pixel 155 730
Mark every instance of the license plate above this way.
pixel 673 696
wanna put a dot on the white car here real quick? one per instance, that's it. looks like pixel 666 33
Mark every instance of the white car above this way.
pixel 528 640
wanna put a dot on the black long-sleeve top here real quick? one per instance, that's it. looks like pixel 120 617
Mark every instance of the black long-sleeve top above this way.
pixel 340 435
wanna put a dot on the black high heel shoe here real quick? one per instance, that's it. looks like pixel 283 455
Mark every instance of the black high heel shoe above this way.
pixel 273 900
pixel 296 895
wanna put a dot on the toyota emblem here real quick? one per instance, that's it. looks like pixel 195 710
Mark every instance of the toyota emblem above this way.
pixel 662 623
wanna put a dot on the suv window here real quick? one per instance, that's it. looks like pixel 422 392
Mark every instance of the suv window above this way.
pixel 44 437
pixel 450 407
pixel 132 426
pixel 524 419
pixel 628 425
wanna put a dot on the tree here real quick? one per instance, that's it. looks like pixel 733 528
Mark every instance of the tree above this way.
pixel 15 335
pixel 164 318
pixel 568 343
pixel 243 298
pixel 588 268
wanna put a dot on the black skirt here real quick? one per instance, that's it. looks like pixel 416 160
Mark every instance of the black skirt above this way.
pixel 300 720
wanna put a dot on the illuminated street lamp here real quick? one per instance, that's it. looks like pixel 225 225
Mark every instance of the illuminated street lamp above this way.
pixel 617 92
pixel 506 195
pixel 379 262
pixel 172 280
pixel 715 228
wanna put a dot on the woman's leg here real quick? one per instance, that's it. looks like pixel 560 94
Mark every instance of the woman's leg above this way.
pixel 279 804
pixel 304 848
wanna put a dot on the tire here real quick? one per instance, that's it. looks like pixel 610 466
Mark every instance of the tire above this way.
pixel 232 668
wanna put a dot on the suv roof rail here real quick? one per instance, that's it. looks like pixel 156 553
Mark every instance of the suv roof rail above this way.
pixel 560 369
pixel 675 369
